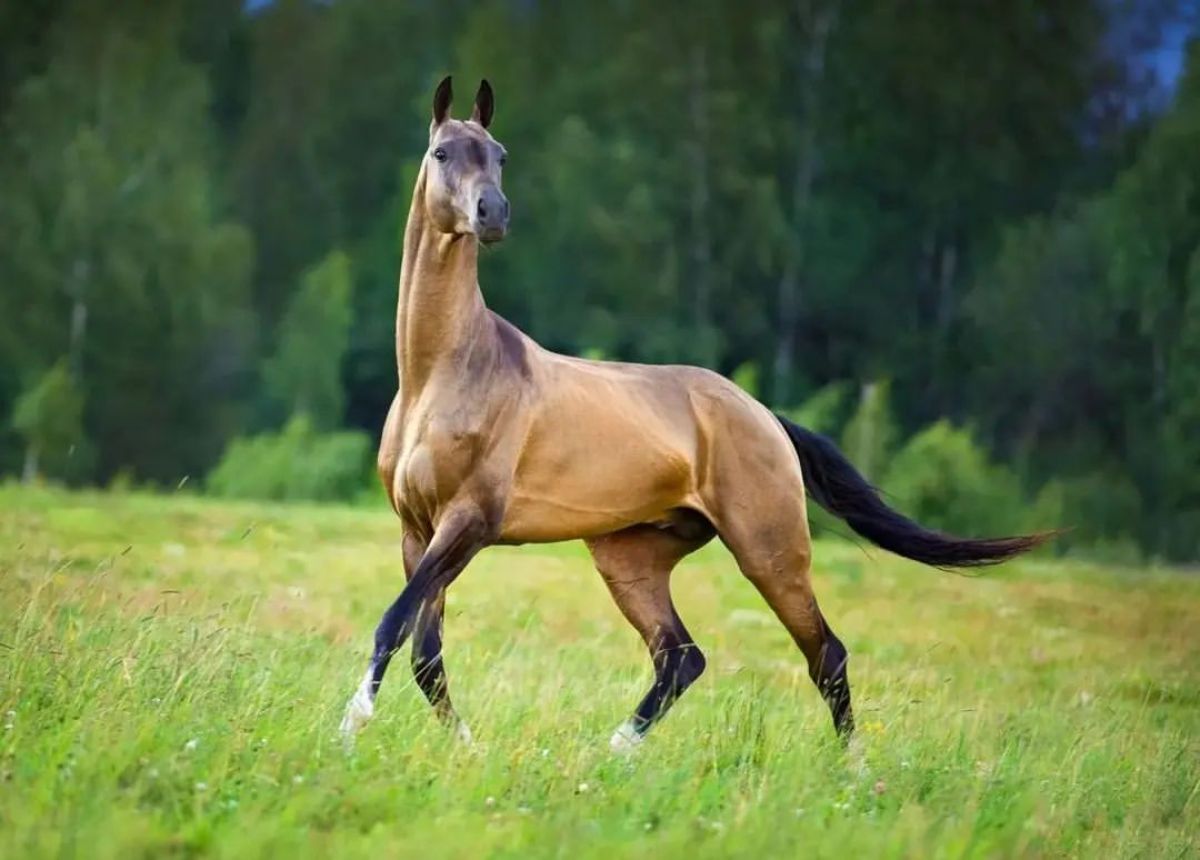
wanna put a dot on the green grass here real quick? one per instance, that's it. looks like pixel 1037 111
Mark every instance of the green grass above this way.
pixel 173 669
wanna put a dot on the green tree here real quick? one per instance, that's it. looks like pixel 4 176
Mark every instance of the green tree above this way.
pixel 112 250
pixel 870 436
pixel 1088 324
pixel 295 463
pixel 305 372
pixel 49 417
pixel 987 206
pixel 824 410
pixel 940 131
pixel 944 479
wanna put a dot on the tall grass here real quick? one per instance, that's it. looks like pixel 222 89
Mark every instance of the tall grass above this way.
pixel 172 672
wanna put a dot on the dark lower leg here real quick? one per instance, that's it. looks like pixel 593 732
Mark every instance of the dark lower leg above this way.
pixel 636 565
pixel 678 662
pixel 795 605
pixel 427 664
pixel 453 546
pixel 828 672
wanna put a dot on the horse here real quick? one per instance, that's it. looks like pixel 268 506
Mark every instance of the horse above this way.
pixel 492 439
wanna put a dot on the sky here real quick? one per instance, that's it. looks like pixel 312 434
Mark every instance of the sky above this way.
pixel 1167 61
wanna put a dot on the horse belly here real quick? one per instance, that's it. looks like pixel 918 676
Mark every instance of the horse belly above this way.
pixel 585 491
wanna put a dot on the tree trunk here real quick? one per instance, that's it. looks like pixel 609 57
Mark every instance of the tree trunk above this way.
pixel 29 471
pixel 77 289
pixel 816 19
pixel 947 273
pixel 700 242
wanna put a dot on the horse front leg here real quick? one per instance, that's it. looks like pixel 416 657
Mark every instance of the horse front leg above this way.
pixel 428 663
pixel 458 538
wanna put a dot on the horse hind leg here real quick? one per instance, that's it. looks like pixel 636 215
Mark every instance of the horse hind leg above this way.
pixel 776 559
pixel 636 565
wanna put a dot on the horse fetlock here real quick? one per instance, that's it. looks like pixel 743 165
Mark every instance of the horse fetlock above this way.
pixel 834 684
pixel 626 738
pixel 359 709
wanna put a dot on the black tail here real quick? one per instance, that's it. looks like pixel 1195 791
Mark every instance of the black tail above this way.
pixel 836 485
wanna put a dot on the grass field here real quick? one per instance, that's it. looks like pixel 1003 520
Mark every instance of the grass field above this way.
pixel 173 669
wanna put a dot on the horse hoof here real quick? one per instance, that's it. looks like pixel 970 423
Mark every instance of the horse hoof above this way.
pixel 359 711
pixel 856 756
pixel 463 732
pixel 625 739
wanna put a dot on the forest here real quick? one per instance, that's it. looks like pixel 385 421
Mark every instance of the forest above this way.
pixel 961 239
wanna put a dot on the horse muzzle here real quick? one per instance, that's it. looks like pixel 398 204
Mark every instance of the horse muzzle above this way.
pixel 491 215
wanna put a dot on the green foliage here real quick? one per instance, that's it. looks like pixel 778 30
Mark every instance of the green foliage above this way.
pixel 112 249
pixel 943 479
pixel 297 463
pixel 1097 512
pixel 746 377
pixel 49 417
pixel 1097 304
pixel 304 374
pixel 824 410
pixel 202 206
pixel 870 436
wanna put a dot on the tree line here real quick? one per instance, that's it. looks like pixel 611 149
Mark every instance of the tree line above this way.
pixel 961 238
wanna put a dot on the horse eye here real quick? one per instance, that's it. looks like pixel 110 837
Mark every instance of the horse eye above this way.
pixel 439 154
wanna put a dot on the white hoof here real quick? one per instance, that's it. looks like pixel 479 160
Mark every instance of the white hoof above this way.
pixel 856 756
pixel 359 710
pixel 625 739
pixel 463 732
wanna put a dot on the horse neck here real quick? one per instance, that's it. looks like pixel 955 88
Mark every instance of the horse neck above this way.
pixel 440 311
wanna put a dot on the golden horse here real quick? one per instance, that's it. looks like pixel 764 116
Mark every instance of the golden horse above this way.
pixel 492 439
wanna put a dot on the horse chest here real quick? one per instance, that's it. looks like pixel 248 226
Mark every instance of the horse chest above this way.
pixel 437 455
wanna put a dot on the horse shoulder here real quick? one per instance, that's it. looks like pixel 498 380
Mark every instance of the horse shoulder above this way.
pixel 389 450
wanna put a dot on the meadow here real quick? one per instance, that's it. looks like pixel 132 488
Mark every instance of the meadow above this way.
pixel 173 669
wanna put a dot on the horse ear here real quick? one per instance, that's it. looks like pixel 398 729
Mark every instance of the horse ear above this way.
pixel 485 104
pixel 441 101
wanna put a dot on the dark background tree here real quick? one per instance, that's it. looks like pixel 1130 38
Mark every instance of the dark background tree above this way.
pixel 886 215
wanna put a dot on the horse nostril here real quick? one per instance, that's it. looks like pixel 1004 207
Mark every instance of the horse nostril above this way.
pixel 482 208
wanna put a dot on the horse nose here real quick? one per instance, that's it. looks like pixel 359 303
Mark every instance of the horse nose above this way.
pixel 492 209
